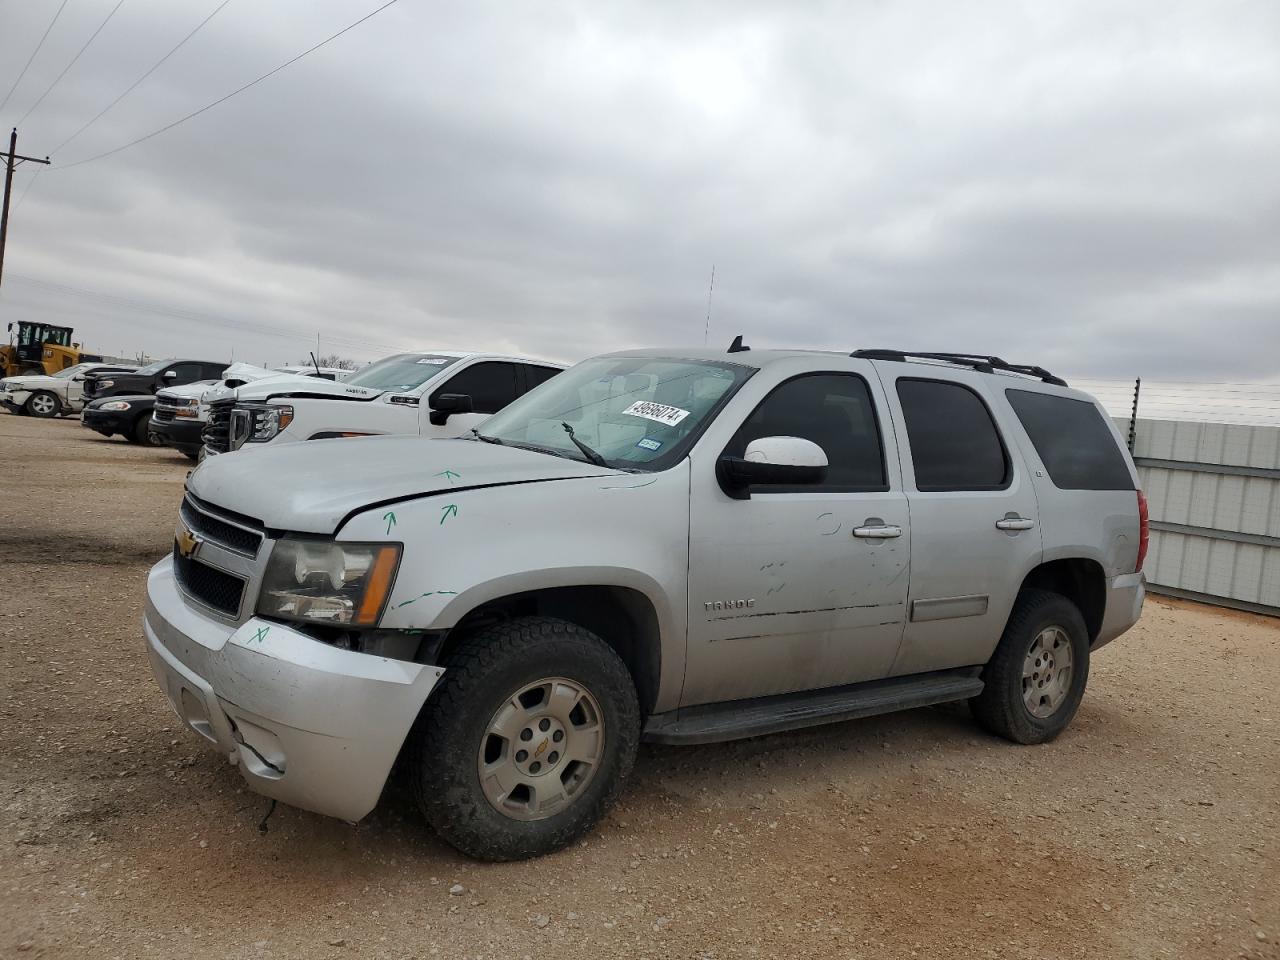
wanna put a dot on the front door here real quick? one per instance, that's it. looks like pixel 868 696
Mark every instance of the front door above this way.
pixel 798 588
pixel 491 385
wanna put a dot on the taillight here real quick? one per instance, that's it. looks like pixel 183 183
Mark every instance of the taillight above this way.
pixel 1144 530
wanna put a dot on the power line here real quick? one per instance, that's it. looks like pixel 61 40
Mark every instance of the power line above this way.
pixel 238 90
pixel 59 77
pixel 154 68
pixel 22 196
pixel 33 55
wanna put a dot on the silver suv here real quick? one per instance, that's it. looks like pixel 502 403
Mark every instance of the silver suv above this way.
pixel 679 546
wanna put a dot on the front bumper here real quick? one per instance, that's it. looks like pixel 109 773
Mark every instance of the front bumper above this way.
pixel 107 422
pixel 1125 595
pixel 306 723
pixel 14 399
pixel 183 434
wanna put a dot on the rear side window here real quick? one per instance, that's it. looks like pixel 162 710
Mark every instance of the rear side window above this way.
pixel 835 411
pixel 1073 440
pixel 491 386
pixel 954 441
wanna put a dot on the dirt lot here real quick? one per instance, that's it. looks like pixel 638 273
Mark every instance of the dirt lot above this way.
pixel 1150 829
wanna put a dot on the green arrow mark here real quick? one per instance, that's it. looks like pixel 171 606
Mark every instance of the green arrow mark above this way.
pixel 450 511
pixel 390 517
pixel 448 475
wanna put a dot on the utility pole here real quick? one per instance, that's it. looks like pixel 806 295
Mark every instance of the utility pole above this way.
pixel 11 161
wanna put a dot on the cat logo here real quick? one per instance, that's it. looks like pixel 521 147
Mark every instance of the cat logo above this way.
pixel 187 542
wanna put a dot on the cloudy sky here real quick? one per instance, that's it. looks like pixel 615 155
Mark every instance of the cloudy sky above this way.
pixel 1088 186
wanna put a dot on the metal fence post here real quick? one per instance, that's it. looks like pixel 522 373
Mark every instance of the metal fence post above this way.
pixel 1133 415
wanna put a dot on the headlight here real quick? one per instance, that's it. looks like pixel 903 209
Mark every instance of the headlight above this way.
pixel 323 581
pixel 269 421
pixel 103 384
pixel 184 408
pixel 115 405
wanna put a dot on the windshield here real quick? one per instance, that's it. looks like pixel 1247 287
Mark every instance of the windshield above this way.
pixel 633 411
pixel 405 371
pixel 152 368
pixel 70 372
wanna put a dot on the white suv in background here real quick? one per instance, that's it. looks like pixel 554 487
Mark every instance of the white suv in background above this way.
pixel 433 394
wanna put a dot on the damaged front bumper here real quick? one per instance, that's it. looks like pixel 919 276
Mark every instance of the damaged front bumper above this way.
pixel 306 723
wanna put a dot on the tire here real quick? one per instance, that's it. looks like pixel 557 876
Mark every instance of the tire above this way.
pixel 1005 705
pixel 141 433
pixel 43 404
pixel 497 672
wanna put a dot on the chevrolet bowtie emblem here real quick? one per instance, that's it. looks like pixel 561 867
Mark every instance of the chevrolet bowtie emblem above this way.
pixel 187 542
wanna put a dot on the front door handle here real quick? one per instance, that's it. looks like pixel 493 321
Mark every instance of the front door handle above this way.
pixel 1015 523
pixel 880 531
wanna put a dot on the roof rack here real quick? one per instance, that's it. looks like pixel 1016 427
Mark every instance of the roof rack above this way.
pixel 980 363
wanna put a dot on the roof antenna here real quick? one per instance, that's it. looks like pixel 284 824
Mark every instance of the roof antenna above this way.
pixel 711 289
pixel 738 346
pixel 315 363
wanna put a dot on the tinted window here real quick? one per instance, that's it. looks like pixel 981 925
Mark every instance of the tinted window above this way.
pixel 1073 441
pixel 835 411
pixel 186 373
pixel 954 443
pixel 536 376
pixel 491 386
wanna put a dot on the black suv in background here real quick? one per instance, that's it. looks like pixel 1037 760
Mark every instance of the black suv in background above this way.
pixel 149 379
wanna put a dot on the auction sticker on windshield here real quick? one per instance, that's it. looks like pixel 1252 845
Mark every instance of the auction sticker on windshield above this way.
pixel 659 412
pixel 433 361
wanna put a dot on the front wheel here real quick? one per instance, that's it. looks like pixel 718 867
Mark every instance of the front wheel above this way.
pixel 141 433
pixel 1036 678
pixel 43 404
pixel 525 743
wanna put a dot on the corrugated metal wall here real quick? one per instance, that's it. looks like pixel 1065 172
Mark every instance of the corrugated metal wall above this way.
pixel 1214 496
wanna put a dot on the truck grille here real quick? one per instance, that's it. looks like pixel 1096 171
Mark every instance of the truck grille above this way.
pixel 162 414
pixel 217 590
pixel 217 432
pixel 233 536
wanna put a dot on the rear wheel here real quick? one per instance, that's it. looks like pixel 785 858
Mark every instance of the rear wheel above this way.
pixel 42 403
pixel 1036 678
pixel 525 743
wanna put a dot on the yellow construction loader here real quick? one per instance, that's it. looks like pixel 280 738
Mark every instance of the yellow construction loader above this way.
pixel 40 348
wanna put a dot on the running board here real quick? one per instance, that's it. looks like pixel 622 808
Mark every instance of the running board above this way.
pixel 711 723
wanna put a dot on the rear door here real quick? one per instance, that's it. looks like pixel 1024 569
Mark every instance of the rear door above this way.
pixel 974 519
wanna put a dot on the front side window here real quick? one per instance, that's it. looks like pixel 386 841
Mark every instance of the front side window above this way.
pixel 1073 441
pixel 151 369
pixel 490 385
pixel 639 413
pixel 835 411
pixel 537 376
pixel 954 442
pixel 400 373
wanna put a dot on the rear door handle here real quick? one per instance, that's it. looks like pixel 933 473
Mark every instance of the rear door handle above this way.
pixel 1015 523
pixel 883 531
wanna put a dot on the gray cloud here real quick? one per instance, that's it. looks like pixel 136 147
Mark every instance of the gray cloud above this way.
pixel 1088 187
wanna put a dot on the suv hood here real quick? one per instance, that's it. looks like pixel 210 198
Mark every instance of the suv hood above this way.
pixel 34 381
pixel 292 384
pixel 187 390
pixel 312 487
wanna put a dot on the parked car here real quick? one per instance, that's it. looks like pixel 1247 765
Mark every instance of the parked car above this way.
pixel 459 389
pixel 679 546
pixel 127 416
pixel 149 379
pixel 181 413
pixel 55 395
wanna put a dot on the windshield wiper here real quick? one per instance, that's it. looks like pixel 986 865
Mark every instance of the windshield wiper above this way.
pixel 480 436
pixel 591 455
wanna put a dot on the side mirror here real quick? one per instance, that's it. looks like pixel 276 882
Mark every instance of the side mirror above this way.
pixel 447 404
pixel 781 461
pixel 171 374
pixel 78 378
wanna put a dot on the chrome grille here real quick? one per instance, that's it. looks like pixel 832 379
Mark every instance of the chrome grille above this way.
pixel 239 535
pixel 216 589
pixel 217 432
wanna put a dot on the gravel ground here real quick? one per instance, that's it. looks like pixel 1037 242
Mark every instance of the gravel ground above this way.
pixel 1149 829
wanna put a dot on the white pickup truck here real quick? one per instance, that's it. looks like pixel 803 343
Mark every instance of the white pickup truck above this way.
pixel 437 393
